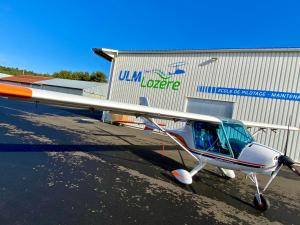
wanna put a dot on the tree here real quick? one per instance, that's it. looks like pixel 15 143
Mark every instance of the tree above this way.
pixel 82 76
pixel 63 74
pixel 17 71
pixel 98 77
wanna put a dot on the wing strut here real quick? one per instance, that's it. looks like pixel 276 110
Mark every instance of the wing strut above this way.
pixel 172 137
pixel 181 175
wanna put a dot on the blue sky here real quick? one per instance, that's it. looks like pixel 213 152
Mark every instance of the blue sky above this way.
pixel 47 36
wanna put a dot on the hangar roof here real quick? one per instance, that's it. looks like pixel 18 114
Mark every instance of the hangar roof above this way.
pixel 25 78
pixel 77 84
pixel 50 81
pixel 110 54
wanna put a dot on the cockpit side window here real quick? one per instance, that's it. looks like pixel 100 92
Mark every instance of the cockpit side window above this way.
pixel 210 137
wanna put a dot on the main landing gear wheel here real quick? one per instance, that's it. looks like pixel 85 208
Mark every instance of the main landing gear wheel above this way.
pixel 265 204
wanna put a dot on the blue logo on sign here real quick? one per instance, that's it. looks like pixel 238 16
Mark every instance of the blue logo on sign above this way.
pixel 135 77
pixel 177 70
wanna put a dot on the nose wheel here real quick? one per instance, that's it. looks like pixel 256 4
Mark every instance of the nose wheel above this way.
pixel 260 202
pixel 263 205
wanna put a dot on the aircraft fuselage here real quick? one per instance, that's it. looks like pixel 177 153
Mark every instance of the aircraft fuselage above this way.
pixel 231 148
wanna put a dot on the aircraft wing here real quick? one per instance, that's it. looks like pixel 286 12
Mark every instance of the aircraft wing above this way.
pixel 250 124
pixel 69 100
pixel 56 98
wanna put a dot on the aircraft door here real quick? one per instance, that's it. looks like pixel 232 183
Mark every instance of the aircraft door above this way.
pixel 211 138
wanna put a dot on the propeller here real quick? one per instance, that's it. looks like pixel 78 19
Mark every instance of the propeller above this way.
pixel 287 161
pixel 284 159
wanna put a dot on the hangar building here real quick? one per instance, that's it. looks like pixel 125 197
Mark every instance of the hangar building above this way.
pixel 261 85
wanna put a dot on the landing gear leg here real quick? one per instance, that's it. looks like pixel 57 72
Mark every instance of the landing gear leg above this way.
pixel 182 175
pixel 260 202
pixel 229 174
pixel 197 169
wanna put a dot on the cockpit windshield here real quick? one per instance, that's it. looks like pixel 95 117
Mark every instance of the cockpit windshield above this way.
pixel 238 136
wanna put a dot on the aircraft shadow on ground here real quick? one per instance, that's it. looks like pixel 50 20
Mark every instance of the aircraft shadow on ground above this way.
pixel 213 180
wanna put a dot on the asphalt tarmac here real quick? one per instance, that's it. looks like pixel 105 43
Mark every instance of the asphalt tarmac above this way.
pixel 64 166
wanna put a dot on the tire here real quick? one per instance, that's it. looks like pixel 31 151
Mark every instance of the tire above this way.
pixel 265 204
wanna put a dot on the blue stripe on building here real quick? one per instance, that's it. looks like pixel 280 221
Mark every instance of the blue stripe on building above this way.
pixel 289 96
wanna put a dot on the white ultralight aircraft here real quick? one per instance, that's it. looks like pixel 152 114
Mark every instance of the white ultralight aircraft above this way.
pixel 226 144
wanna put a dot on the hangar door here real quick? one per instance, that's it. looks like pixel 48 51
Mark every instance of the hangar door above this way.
pixel 210 107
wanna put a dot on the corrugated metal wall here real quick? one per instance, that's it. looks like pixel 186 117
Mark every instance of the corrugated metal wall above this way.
pixel 271 71
pixel 99 91
pixel 67 90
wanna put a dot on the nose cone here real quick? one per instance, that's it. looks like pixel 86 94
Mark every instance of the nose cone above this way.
pixel 260 154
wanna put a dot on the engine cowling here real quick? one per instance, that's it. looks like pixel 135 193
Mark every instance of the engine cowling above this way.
pixel 260 154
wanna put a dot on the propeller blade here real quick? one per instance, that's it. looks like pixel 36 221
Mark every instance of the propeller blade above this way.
pixel 287 161
pixel 287 136
pixel 295 169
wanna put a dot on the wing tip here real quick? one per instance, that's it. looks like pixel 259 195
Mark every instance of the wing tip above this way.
pixel 15 91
